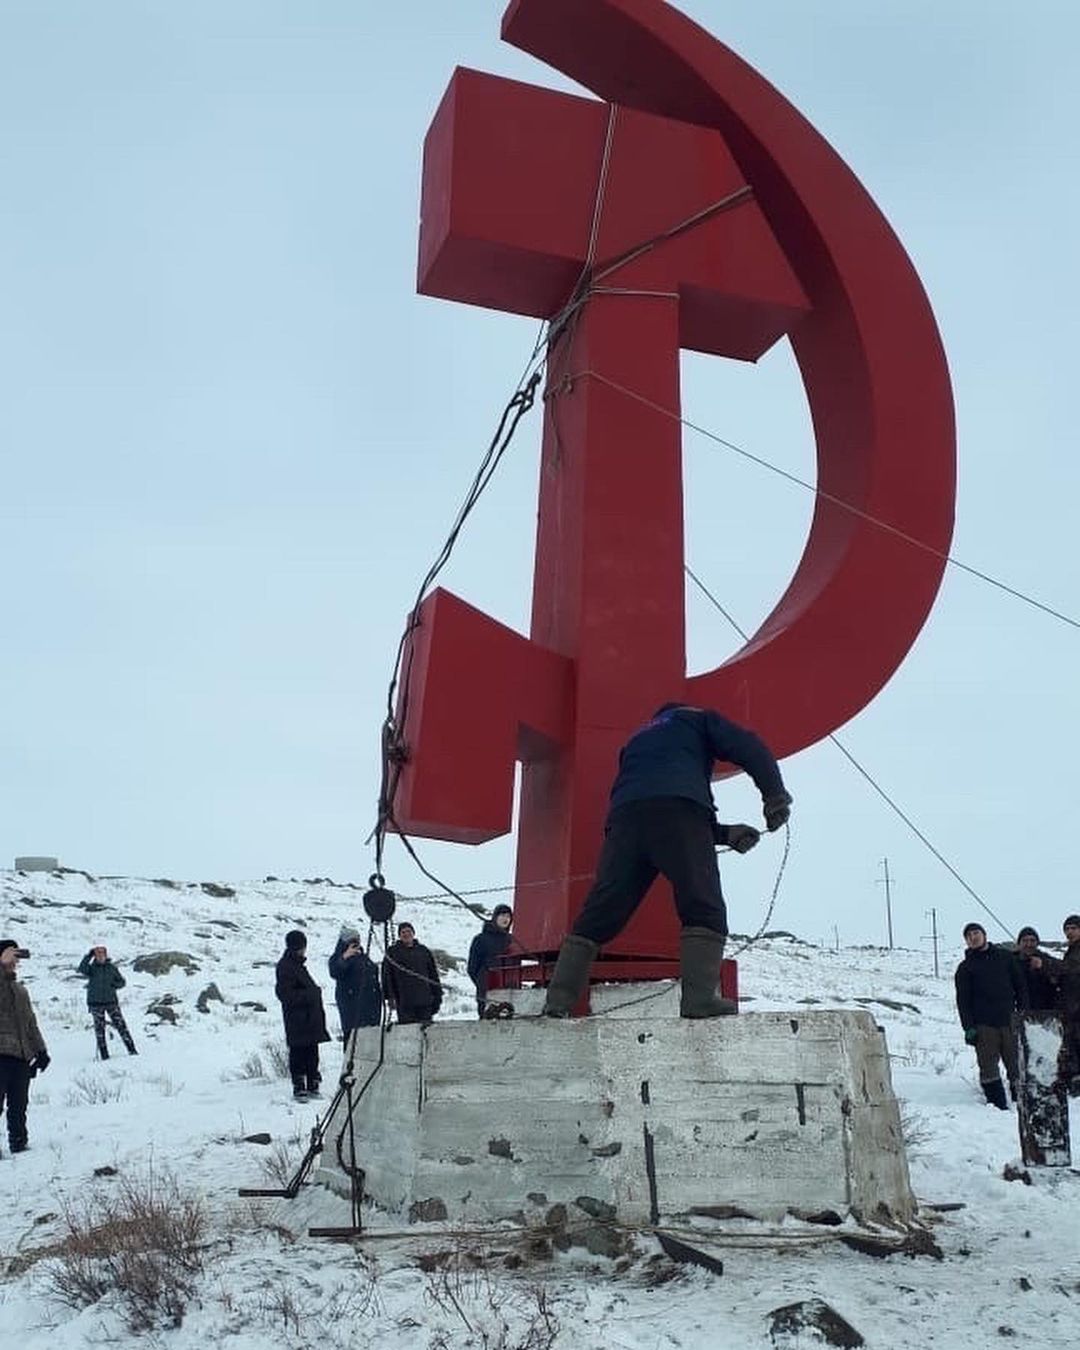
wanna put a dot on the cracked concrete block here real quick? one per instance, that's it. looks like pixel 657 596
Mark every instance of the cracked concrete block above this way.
pixel 765 1113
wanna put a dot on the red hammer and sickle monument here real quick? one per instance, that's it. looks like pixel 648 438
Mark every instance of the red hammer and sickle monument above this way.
pixel 689 206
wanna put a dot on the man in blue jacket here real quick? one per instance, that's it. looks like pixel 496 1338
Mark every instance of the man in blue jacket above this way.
pixel 487 950
pixel 357 990
pixel 662 821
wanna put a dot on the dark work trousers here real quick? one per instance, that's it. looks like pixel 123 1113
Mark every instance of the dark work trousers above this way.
pixel 996 1043
pixel 1069 1059
pixel 304 1063
pixel 99 1012
pixel 14 1091
pixel 666 836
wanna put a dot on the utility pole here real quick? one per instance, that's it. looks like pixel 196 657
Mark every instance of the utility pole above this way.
pixel 934 939
pixel 888 900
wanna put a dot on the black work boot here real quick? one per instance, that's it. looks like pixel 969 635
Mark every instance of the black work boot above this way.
pixel 570 975
pixel 299 1089
pixel 994 1089
pixel 700 952
pixel 313 1081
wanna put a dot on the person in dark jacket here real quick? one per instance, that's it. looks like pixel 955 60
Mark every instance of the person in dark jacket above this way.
pixel 662 820
pixel 411 979
pixel 1066 977
pixel 102 982
pixel 356 983
pixel 302 1010
pixel 488 948
pixel 989 989
pixel 1040 994
pixel 22 1047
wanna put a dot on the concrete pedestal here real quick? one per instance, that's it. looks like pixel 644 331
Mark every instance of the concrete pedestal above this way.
pixel 769 1113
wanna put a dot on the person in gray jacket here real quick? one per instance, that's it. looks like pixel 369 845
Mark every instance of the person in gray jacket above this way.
pixel 102 982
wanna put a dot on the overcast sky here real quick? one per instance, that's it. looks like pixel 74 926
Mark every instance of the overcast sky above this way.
pixel 232 438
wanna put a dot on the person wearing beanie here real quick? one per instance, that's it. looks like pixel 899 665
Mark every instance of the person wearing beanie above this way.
pixel 102 982
pixel 1065 974
pixel 488 950
pixel 411 978
pixel 989 989
pixel 22 1046
pixel 357 991
pixel 661 821
pixel 1041 994
pixel 302 1010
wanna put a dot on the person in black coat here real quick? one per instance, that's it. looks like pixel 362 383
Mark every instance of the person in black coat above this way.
pixel 662 821
pixel 989 989
pixel 411 979
pixel 356 984
pixel 302 1010
pixel 1040 993
pixel 488 948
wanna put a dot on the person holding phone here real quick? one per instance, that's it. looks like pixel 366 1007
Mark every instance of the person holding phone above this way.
pixel 357 991
pixel 22 1046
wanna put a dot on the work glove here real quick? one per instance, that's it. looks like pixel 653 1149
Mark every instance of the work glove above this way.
pixel 971 1035
pixel 39 1063
pixel 777 809
pixel 741 838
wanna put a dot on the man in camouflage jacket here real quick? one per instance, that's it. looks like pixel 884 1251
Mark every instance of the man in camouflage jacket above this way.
pixel 22 1047
pixel 1065 974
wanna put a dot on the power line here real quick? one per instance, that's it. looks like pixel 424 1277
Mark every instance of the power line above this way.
pixel 829 497
pixel 893 805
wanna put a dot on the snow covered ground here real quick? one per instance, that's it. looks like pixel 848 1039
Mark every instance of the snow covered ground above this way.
pixel 181 1111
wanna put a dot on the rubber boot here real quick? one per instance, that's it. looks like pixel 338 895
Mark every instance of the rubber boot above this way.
pixel 994 1089
pixel 700 953
pixel 570 975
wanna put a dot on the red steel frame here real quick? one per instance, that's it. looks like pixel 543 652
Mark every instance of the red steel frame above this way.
pixel 523 190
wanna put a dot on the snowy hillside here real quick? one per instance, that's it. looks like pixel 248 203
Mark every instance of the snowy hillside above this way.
pixel 175 1121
